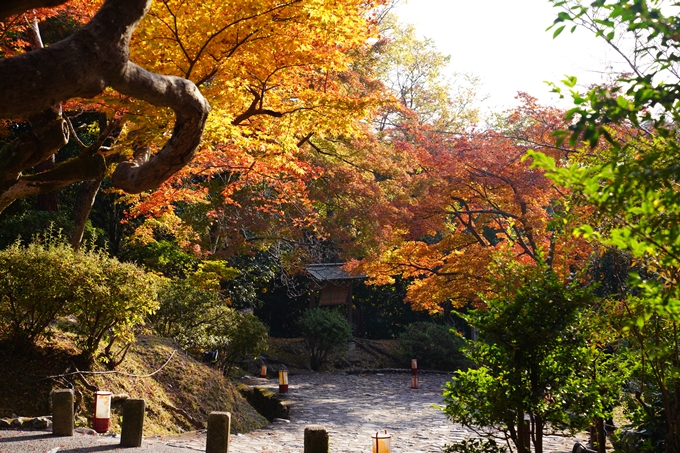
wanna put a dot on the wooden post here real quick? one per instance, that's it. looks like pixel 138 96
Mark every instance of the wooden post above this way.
pixel 133 423
pixel 316 439
pixel 219 430
pixel 62 412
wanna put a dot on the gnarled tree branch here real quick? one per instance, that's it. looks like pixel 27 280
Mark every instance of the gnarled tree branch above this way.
pixel 191 111
pixel 31 148
pixel 82 65
pixel 82 168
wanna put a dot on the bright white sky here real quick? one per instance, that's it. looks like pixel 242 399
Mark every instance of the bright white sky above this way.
pixel 505 43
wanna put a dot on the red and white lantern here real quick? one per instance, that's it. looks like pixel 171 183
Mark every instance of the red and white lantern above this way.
pixel 102 411
pixel 263 371
pixel 283 380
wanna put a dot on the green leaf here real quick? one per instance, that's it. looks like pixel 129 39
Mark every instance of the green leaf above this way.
pixel 570 81
pixel 558 31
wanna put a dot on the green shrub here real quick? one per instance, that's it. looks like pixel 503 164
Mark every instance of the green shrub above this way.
pixel 186 311
pixel 161 256
pixel 35 286
pixel 42 281
pixel 326 332
pixel 475 446
pixel 199 318
pixel 434 345
pixel 244 337
pixel 112 299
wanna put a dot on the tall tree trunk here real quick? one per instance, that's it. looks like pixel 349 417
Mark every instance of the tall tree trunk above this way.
pixel 538 434
pixel 46 201
pixel 83 207
pixel 89 189
pixel 523 434
pixel 600 436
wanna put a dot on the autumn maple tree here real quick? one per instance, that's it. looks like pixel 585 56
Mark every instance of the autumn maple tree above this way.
pixel 292 91
pixel 277 74
pixel 471 196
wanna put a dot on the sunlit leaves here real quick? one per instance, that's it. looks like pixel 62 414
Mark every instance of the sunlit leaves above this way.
pixel 470 198
pixel 280 78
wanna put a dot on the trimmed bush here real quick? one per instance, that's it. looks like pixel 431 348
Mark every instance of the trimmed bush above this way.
pixel 34 288
pixel 198 318
pixel 326 332
pixel 241 336
pixel 42 281
pixel 434 345
pixel 112 299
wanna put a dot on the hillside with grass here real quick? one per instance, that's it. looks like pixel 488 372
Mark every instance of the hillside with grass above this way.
pixel 179 391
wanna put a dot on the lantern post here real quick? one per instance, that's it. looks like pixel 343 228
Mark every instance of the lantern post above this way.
pixel 102 411
pixel 283 380
pixel 380 443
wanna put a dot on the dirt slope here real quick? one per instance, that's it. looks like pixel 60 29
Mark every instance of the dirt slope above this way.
pixel 179 397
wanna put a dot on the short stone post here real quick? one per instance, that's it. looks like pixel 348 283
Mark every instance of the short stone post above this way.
pixel 219 430
pixel 316 439
pixel 62 412
pixel 133 423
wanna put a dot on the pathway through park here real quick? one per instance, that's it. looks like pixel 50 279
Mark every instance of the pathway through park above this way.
pixel 353 408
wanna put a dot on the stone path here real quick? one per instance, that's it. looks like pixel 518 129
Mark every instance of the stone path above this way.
pixel 352 408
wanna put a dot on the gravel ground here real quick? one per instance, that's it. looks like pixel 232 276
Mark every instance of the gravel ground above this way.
pixel 351 407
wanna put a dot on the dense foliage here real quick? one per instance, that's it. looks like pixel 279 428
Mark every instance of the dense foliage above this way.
pixel 326 332
pixel 434 345
pixel 200 320
pixel 528 345
pixel 631 182
pixel 47 280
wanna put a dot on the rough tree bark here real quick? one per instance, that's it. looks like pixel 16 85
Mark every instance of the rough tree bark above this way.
pixel 48 201
pixel 83 65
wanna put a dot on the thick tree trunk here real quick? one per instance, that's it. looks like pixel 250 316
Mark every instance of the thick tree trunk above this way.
pixel 82 65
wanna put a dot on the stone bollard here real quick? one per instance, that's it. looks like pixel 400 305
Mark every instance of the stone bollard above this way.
pixel 62 412
pixel 219 429
pixel 133 423
pixel 316 439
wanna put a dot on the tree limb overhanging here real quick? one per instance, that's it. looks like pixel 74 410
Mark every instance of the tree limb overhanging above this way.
pixel 11 7
pixel 83 65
